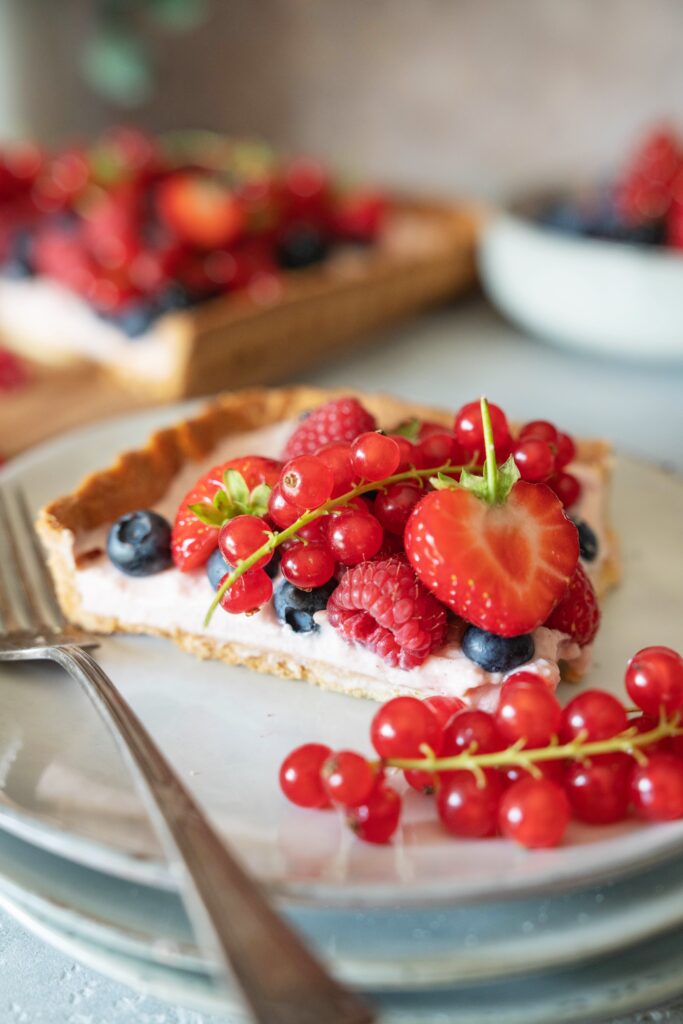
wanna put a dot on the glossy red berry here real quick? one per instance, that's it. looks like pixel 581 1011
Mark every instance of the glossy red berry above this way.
pixel 565 451
pixel 248 593
pixel 436 449
pixel 469 430
pixel 354 537
pixel 657 788
pixel 595 713
pixel 467 807
pixel 394 504
pixel 654 680
pixel 300 778
pixel 376 820
pixel 281 511
pixel 471 728
pixel 534 812
pixel 444 708
pixel 534 459
pixel 307 565
pixel 566 487
pixel 402 726
pixel 337 457
pixel 239 538
pixel 547 769
pixel 409 454
pixel 598 788
pixel 348 778
pixel 375 456
pixel 541 430
pixel 306 482
pixel 529 711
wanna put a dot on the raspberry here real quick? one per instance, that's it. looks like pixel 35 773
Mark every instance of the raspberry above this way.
pixel 341 420
pixel 13 373
pixel 577 613
pixel 383 606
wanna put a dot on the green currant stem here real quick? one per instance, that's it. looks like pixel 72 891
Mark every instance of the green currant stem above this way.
pixel 491 465
pixel 276 539
pixel 627 742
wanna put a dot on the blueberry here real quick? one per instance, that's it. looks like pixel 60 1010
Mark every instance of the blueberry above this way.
pixel 19 261
pixel 301 246
pixel 296 607
pixel 216 567
pixel 173 298
pixel 139 543
pixel 588 542
pixel 497 653
pixel 136 319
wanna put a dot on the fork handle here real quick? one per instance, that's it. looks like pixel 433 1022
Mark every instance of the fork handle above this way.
pixel 279 978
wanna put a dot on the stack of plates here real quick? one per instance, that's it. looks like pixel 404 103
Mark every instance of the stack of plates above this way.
pixel 432 928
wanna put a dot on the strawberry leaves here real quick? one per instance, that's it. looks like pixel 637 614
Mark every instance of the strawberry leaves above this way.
pixel 233 499
pixel 496 482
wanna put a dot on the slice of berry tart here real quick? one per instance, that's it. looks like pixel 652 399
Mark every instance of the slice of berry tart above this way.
pixel 364 543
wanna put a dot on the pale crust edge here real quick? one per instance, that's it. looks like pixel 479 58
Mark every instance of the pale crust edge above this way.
pixel 138 479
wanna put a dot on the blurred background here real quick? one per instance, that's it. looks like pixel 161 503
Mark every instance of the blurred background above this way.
pixel 479 96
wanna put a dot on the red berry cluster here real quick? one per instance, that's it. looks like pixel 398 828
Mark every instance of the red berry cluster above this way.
pixel 134 221
pixel 522 772
pixel 650 189
pixel 541 453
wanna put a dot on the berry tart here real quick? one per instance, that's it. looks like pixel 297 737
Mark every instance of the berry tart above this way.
pixel 186 263
pixel 366 544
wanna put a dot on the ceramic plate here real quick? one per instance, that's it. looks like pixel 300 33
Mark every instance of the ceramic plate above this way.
pixel 226 730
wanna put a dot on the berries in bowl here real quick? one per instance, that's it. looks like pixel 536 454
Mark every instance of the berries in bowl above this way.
pixel 365 544
pixel 598 268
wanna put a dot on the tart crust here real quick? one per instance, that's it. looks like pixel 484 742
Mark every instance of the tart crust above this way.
pixel 139 479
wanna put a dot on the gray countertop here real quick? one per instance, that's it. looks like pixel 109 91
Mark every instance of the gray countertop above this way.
pixel 446 358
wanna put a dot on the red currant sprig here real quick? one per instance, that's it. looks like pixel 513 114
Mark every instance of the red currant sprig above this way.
pixel 509 772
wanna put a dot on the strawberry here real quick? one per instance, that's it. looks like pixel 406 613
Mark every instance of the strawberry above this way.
pixel 340 420
pixel 216 497
pixel 577 613
pixel 497 550
pixel 359 215
pixel 644 191
pixel 200 210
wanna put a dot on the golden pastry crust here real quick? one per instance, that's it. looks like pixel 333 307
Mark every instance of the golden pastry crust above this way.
pixel 139 479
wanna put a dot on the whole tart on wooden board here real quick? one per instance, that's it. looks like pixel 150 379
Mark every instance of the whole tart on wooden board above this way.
pixel 97 597
pixel 423 255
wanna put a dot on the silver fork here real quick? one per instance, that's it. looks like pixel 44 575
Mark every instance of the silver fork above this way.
pixel 279 978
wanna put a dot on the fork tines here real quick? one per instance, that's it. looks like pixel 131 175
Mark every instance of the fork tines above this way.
pixel 27 597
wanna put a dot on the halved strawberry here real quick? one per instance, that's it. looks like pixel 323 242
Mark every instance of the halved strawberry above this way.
pixel 501 566
pixel 200 210
pixel 192 540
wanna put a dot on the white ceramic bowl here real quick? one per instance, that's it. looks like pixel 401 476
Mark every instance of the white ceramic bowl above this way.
pixel 613 298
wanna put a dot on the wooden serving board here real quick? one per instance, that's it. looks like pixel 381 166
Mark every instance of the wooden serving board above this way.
pixel 57 399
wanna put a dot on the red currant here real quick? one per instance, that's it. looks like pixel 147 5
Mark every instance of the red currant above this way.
pixel 444 708
pixel 534 812
pixel 523 675
pixel 528 711
pixel 376 820
pixel 471 728
pixel 654 680
pixel 307 565
pixel 548 769
pixel 541 430
pixel 423 782
pixel 595 713
pixel 465 806
pixel 657 788
pixel 565 451
pixel 566 487
pixel 535 460
pixel 409 454
pixel 598 789
pixel 248 593
pixel 643 723
pixel 337 456
pixel 348 778
pixel 394 505
pixel 469 430
pixel 281 511
pixel 300 778
pixel 241 537
pixel 439 448
pixel 314 532
pixel 306 482
pixel 354 537
pixel 402 726
pixel 375 456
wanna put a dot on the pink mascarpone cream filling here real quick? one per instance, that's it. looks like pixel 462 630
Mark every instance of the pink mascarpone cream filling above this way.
pixel 173 601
